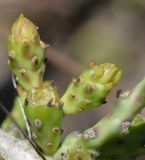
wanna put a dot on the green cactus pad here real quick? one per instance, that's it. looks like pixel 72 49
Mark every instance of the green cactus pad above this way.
pixel 91 88
pixel 26 53
pixel 119 136
pixel 126 145
pixel 44 111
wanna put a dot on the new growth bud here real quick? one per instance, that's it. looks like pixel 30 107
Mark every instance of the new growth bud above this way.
pixel 24 30
pixel 26 53
pixel 91 88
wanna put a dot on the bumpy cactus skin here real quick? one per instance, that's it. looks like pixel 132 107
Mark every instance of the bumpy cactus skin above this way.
pixel 26 59
pixel 44 111
pixel 91 88
pixel 119 136
pixel 108 139
pixel 129 144
pixel 26 53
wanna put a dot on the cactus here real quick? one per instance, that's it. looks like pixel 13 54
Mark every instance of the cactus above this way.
pixel 109 139
pixel 91 88
pixel 44 111
pixel 26 53
pixel 26 58
pixel 118 136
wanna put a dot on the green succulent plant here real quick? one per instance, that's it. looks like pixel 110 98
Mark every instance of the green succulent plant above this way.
pixel 119 136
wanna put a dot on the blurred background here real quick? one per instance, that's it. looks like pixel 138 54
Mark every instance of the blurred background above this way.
pixel 79 31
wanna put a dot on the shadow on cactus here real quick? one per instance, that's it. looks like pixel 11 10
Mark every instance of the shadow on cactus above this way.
pixel 119 136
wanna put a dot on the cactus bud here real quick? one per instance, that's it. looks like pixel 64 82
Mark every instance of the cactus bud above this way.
pixel 45 116
pixel 91 88
pixel 26 53
pixel 24 30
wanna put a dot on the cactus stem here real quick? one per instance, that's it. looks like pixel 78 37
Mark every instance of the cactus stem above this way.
pixel 90 91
